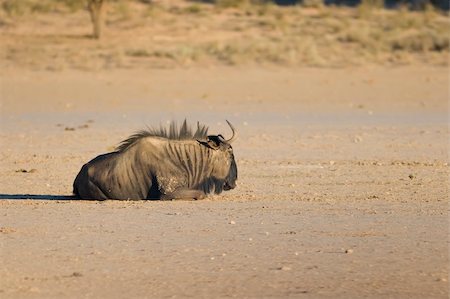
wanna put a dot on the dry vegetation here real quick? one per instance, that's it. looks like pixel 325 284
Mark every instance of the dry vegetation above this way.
pixel 55 35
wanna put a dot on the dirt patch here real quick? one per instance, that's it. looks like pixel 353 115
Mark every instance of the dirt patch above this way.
pixel 342 190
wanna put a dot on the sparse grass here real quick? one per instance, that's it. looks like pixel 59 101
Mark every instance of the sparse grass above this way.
pixel 419 41
pixel 313 3
pixel 19 8
pixel 194 33
pixel 231 3
pixel 368 8
pixel 138 53
pixel 193 9
pixel 151 11
pixel 122 10
pixel 74 5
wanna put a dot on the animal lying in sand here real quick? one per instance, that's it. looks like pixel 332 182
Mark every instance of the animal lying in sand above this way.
pixel 161 164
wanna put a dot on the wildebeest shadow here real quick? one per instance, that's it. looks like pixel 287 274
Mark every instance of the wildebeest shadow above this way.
pixel 54 197
pixel 37 197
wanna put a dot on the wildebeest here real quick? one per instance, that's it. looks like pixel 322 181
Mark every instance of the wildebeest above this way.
pixel 161 164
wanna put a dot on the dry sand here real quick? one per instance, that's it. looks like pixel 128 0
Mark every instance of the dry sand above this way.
pixel 342 191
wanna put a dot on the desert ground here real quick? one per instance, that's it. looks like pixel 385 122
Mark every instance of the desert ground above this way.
pixel 343 181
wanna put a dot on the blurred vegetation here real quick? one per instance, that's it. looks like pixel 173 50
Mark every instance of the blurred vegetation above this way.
pixel 143 33
pixel 414 4
pixel 23 7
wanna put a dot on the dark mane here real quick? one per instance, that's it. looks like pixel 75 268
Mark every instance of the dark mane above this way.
pixel 185 132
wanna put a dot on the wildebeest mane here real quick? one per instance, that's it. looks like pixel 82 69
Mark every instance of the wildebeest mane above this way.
pixel 185 132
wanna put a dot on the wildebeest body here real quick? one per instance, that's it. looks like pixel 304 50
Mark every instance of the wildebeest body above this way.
pixel 155 167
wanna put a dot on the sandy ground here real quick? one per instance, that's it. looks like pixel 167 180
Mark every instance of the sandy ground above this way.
pixel 342 191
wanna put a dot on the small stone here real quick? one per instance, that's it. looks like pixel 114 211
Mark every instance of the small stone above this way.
pixel 77 274
pixel 357 139
pixel 349 251
pixel 285 268
pixel 232 222
pixel 332 162
pixel 411 176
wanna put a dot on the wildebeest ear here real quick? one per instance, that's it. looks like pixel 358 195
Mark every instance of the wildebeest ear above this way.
pixel 212 142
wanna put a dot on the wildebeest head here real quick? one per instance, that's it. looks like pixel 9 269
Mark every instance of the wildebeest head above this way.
pixel 226 169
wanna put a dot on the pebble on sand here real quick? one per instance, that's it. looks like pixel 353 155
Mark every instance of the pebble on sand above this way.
pixel 26 171
pixel 357 139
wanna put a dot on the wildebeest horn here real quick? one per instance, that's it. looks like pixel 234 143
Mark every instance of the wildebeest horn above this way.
pixel 234 133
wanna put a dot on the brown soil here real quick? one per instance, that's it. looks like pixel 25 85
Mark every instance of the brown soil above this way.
pixel 342 191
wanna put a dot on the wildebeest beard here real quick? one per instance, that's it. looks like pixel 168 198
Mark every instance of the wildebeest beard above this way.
pixel 216 185
pixel 230 180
